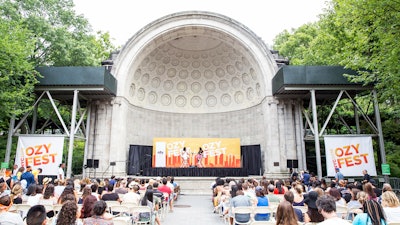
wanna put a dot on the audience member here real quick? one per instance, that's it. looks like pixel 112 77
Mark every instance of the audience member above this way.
pixel 288 196
pixel 327 207
pixel 372 214
pixel 8 218
pixel 36 215
pixel 285 214
pixel 68 214
pixel 312 214
pixel 262 200
pixel 391 206
pixel 99 215
pixel 87 206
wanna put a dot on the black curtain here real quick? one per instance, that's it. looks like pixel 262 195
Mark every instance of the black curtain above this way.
pixel 140 157
pixel 251 159
pixel 140 163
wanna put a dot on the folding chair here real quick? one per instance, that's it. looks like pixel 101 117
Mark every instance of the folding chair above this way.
pixel 240 211
pixel 141 210
pixel 263 223
pixel 112 203
pixel 120 210
pixel 125 220
pixel 262 210
pixel 23 209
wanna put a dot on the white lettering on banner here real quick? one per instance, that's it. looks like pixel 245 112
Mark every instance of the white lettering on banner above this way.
pixel 350 154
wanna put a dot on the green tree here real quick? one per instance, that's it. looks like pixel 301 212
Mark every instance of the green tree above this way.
pixel 17 75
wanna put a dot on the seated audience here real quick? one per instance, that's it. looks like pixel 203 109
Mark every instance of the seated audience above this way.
pixel 285 214
pixel 8 218
pixel 327 206
pixel 372 214
pixel 99 215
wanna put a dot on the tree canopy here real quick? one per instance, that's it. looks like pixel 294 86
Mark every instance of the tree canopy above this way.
pixel 363 36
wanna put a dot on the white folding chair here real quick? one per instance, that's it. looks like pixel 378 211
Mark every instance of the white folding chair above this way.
pixel 140 210
pixel 263 223
pixel 262 210
pixel 122 220
pixel 394 223
pixel 23 209
pixel 120 210
pixel 240 211
pixel 112 203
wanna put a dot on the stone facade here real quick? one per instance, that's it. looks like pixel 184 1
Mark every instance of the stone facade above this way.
pixel 195 74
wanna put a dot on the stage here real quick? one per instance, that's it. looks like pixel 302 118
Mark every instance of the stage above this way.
pixel 140 164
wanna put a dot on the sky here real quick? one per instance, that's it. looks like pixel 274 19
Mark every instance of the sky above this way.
pixel 266 18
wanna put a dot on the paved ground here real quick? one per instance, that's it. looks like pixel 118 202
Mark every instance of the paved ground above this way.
pixel 192 210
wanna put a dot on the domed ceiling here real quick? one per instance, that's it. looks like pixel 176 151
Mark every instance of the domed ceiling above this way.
pixel 195 70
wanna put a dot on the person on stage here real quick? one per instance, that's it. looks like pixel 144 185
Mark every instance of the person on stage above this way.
pixel 199 158
pixel 185 158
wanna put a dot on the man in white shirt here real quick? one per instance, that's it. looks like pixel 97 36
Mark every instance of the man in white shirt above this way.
pixel 327 207
pixel 61 171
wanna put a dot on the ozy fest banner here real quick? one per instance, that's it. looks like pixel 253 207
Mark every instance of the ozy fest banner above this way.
pixel 40 152
pixel 350 154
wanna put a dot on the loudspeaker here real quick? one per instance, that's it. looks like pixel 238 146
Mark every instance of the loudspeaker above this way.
pixel 95 163
pixel 112 163
pixel 292 163
pixel 89 163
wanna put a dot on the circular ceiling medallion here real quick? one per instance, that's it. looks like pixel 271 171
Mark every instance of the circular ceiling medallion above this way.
pixel 232 56
pixel 171 72
pixel 151 66
pixel 231 69
pixel 180 101
pixel 145 79
pixel 225 60
pixel 220 72
pixel 166 99
pixel 185 63
pixel 211 101
pixel 226 99
pixel 196 74
pixel 155 82
pixel 166 60
pixel 258 89
pixel 195 101
pixel 141 94
pixel 175 62
pixel 245 61
pixel 132 89
pixel 152 97
pixel 159 56
pixel 181 86
pixel 223 85
pixel 183 74
pixel 206 63
pixel 168 85
pixel 160 70
pixel 196 87
pixel 216 62
pixel 235 82
pixel 210 86
pixel 253 74
pixel 239 97
pixel 239 65
pixel 250 93
pixel 246 78
pixel 137 74
pixel 208 74
pixel 196 64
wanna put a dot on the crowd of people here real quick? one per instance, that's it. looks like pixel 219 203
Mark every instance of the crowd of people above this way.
pixel 82 201
pixel 363 201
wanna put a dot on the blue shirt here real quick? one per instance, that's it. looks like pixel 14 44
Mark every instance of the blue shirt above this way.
pixel 28 176
pixel 262 201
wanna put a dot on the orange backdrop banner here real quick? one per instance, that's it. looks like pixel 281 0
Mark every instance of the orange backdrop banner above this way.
pixel 217 152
